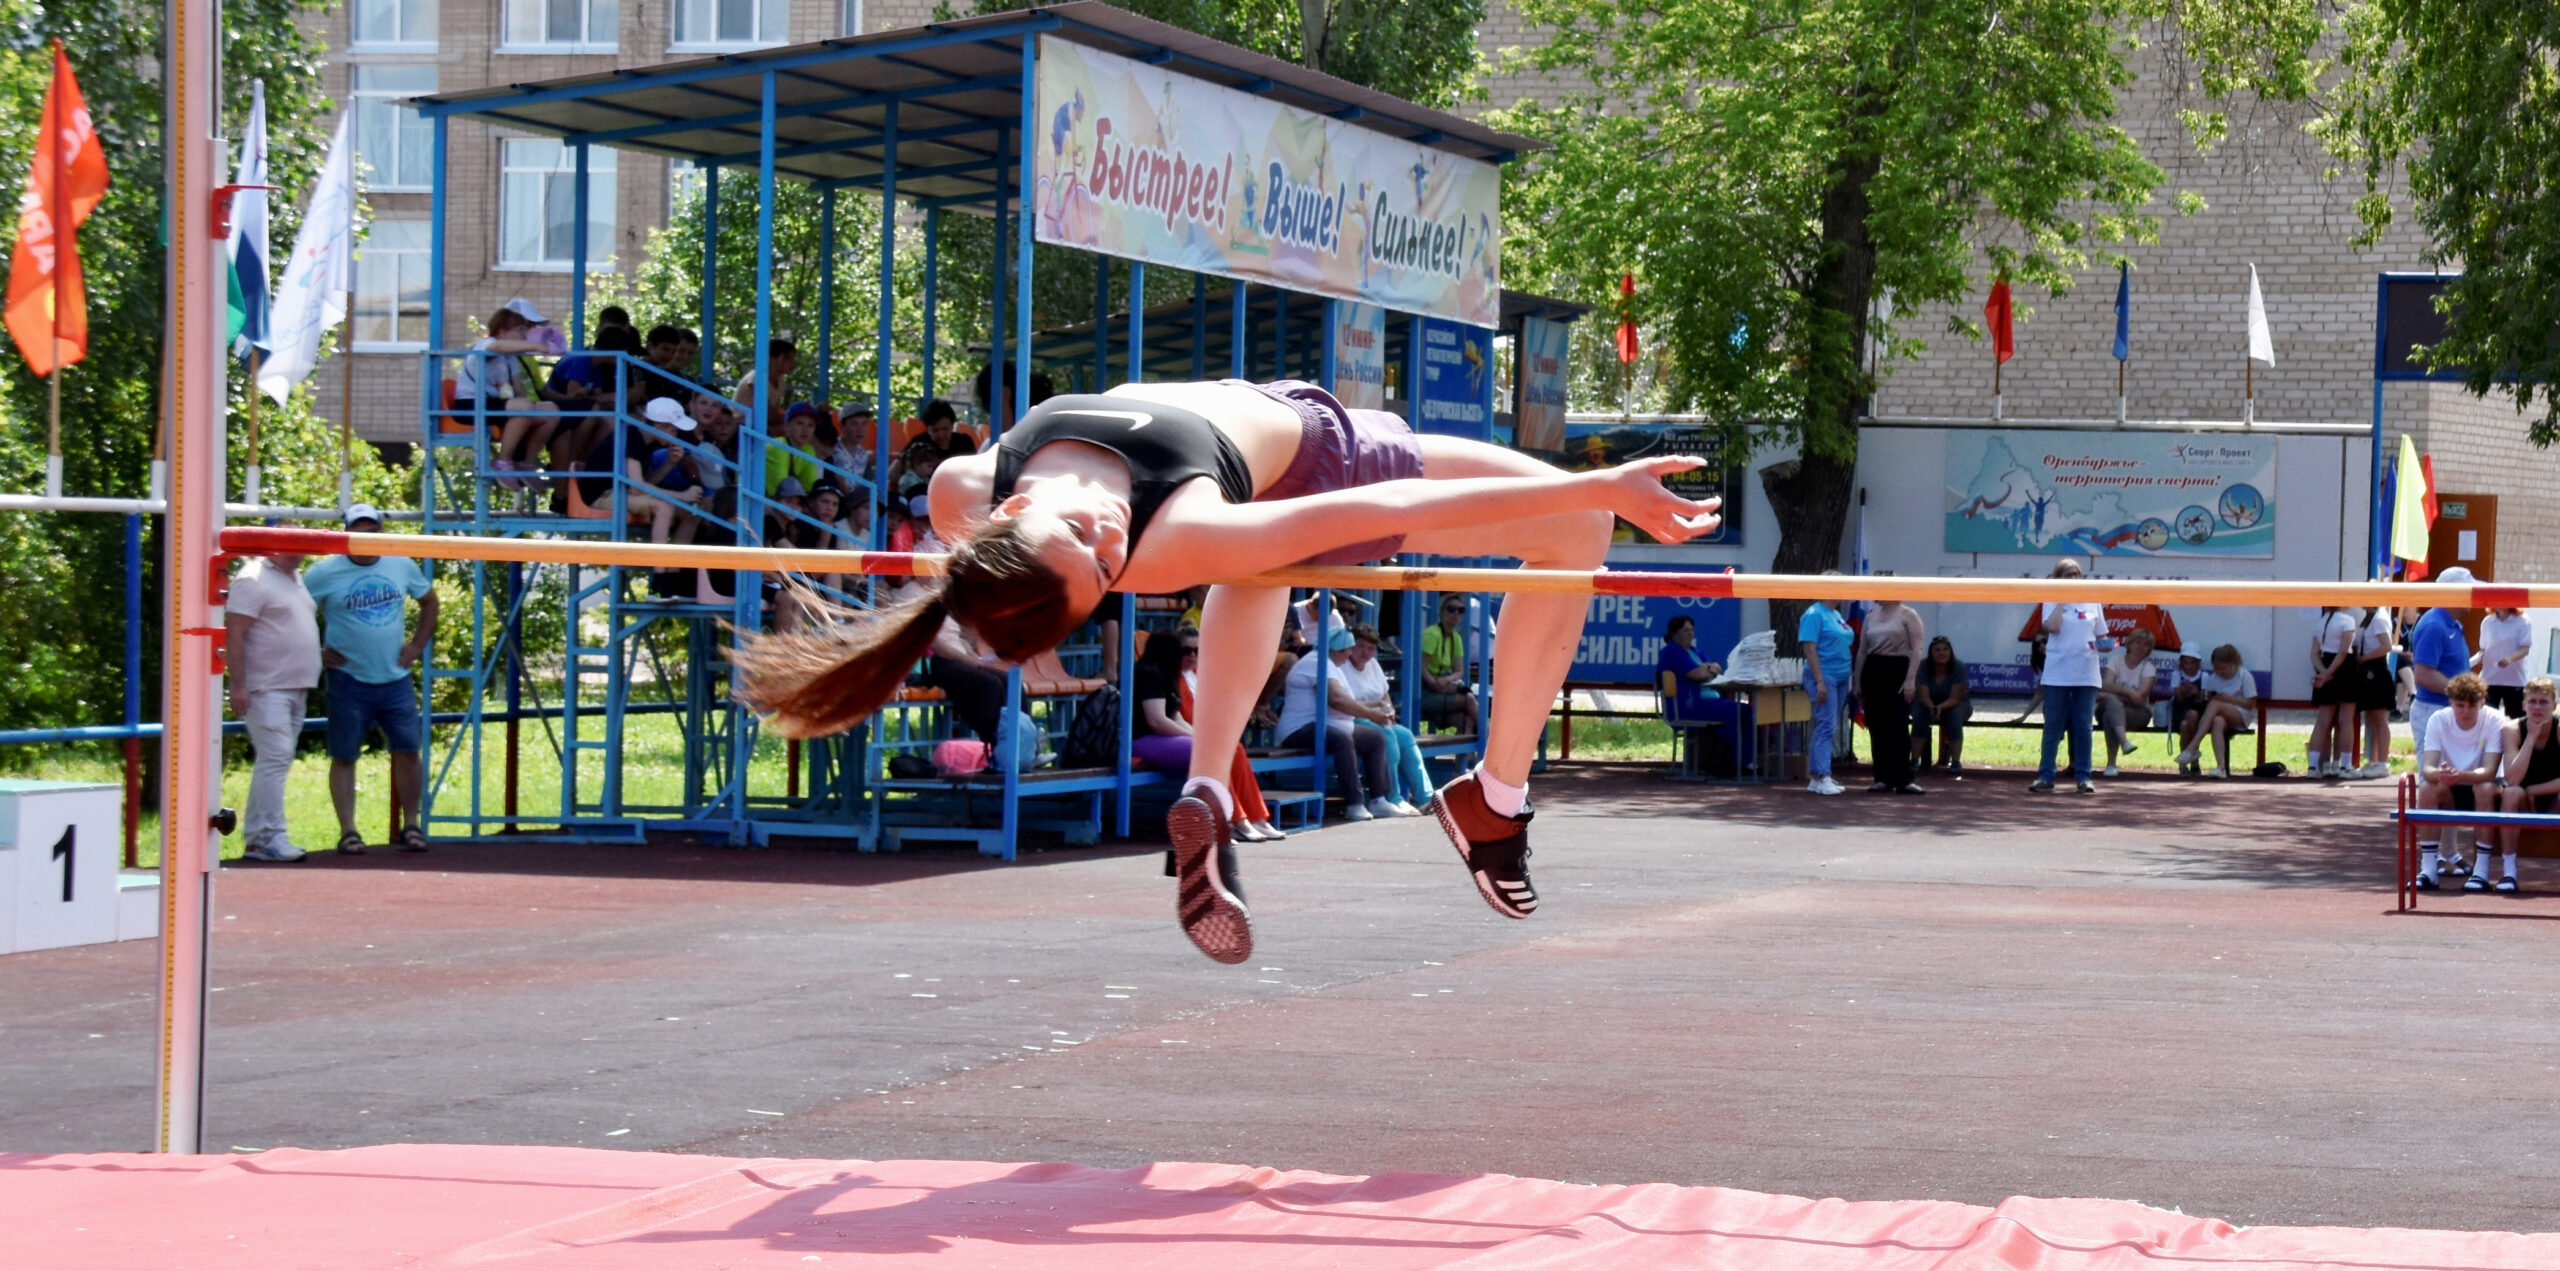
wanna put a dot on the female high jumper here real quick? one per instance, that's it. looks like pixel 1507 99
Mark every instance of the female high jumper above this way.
pixel 1154 488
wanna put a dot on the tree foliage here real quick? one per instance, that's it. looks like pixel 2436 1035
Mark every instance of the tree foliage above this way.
pixel 1767 168
pixel 62 575
pixel 2466 95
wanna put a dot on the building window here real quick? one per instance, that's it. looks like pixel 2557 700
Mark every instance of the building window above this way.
pixel 392 24
pixel 391 287
pixel 729 24
pixel 538 208
pixel 562 26
pixel 684 186
pixel 395 143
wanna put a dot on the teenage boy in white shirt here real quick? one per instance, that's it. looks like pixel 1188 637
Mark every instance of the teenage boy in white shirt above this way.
pixel 2460 759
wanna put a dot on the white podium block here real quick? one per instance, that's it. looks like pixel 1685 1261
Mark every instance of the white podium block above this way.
pixel 58 855
pixel 137 905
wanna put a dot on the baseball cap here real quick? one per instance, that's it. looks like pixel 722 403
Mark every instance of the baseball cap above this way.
pixel 789 489
pixel 362 512
pixel 524 308
pixel 798 409
pixel 669 412
pixel 2457 574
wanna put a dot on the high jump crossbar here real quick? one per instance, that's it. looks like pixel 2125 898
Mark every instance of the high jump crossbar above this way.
pixel 259 539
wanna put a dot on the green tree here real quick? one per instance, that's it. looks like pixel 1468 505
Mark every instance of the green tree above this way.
pixel 1767 168
pixel 62 574
pixel 2463 94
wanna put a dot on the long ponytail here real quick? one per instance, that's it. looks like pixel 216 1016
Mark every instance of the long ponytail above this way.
pixel 828 678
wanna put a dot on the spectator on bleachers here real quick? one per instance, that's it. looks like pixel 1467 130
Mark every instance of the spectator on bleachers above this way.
pixel 2506 640
pixel 2124 696
pixel 1358 755
pixel 665 350
pixel 1161 688
pixel 2230 693
pixel 1410 784
pixel 2438 652
pixel 2457 763
pixel 782 357
pixel 492 379
pixel 662 487
pixel 913 469
pixel 2532 769
pixel 1942 699
pixel 2073 631
pixel 2336 682
pixel 1447 699
pixel 847 439
pixel 1679 673
pixel 794 456
pixel 614 318
pixel 584 388
pixel 2376 689
pixel 1822 639
pixel 1886 670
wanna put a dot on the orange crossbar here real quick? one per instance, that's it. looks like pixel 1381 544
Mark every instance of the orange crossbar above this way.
pixel 2159 591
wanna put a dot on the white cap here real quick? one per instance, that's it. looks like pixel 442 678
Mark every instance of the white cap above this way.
pixel 362 512
pixel 2457 574
pixel 670 412
pixel 525 309
pixel 921 505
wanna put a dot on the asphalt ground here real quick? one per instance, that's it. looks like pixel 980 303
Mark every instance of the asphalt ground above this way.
pixel 2193 995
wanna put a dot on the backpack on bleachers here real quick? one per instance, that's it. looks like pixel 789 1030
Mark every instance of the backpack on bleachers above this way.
pixel 1093 736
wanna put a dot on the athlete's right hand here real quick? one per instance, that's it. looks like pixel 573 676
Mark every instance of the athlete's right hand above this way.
pixel 1635 492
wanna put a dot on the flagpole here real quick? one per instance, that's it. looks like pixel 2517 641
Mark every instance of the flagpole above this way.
pixel 1995 382
pixel 347 353
pixel 61 213
pixel 2249 387
pixel 53 401
pixel 252 494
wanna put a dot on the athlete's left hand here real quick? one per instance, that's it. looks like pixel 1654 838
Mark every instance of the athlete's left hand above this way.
pixel 1636 493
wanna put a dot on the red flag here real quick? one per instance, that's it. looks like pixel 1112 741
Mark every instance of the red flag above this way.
pixel 1995 311
pixel 1626 318
pixel 48 307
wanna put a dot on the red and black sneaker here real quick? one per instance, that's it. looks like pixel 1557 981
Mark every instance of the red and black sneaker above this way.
pixel 1210 898
pixel 1495 847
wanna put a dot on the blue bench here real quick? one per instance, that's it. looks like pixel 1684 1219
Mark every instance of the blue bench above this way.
pixel 2408 816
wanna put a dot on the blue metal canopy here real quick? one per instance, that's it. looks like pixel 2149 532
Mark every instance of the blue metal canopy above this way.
pixel 953 88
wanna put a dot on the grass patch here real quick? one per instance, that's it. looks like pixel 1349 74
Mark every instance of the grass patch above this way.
pixel 1649 740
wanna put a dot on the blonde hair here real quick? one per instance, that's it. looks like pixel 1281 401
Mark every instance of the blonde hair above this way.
pixel 834 674
pixel 2542 686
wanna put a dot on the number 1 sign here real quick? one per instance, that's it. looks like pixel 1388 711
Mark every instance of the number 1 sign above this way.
pixel 57 864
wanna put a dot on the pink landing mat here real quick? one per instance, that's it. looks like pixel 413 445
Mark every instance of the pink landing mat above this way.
pixel 538 1208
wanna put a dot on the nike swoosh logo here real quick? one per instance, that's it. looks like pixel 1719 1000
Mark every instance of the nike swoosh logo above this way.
pixel 1136 419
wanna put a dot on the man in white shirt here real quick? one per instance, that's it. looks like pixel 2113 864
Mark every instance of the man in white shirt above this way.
pixel 2506 642
pixel 2458 760
pixel 272 635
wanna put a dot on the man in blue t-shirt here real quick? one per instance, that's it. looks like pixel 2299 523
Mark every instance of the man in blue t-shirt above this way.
pixel 363 607
pixel 2438 652
pixel 1824 637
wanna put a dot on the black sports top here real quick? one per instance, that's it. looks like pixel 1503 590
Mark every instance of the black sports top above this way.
pixel 2544 765
pixel 1164 447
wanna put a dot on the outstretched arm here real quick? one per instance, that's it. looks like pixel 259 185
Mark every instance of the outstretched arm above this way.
pixel 1198 534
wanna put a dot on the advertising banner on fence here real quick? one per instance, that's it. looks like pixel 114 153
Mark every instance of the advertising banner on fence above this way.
pixel 1622 635
pixel 2111 494
pixel 1589 446
pixel 1544 348
pixel 1142 163
pixel 1360 355
pixel 1455 389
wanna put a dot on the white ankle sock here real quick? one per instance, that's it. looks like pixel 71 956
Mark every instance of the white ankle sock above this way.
pixel 1504 800
pixel 2480 863
pixel 2427 859
pixel 2509 860
pixel 1226 803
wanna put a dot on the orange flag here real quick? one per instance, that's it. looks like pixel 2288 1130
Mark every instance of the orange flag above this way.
pixel 48 308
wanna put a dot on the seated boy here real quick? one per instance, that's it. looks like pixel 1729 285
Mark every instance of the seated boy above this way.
pixel 2458 758
pixel 2532 770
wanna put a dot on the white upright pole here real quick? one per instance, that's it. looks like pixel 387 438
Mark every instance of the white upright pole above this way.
pixel 190 623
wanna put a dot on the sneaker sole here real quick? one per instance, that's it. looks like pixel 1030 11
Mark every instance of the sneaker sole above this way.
pixel 1213 918
pixel 1484 886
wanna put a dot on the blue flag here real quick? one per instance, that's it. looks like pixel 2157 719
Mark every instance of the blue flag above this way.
pixel 2124 312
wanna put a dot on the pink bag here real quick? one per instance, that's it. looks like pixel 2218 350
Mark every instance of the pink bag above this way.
pixel 960 758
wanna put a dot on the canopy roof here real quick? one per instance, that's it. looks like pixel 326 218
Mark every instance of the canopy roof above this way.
pixel 956 87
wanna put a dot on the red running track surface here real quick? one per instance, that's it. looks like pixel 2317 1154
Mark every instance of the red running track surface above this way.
pixel 539 1208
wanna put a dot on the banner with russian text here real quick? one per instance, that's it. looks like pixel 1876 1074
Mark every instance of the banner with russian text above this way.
pixel 1360 356
pixel 1143 163
pixel 2111 494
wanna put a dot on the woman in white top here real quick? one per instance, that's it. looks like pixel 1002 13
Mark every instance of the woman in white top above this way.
pixel 2336 685
pixel 2073 631
pixel 2376 690
pixel 1409 787
pixel 2506 641
pixel 1887 673
pixel 2124 698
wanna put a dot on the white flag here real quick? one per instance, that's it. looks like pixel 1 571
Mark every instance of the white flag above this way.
pixel 249 228
pixel 2262 345
pixel 313 296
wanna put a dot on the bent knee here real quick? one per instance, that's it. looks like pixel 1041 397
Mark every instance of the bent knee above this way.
pixel 1580 540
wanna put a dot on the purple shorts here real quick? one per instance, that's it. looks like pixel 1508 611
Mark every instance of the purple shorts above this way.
pixel 1341 449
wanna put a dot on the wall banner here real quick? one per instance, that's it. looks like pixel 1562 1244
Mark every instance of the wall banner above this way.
pixel 1544 349
pixel 1622 635
pixel 1589 446
pixel 1141 163
pixel 1360 355
pixel 1456 384
pixel 2111 494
